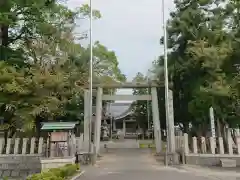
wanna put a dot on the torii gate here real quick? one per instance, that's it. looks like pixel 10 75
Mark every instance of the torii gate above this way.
pixel 100 97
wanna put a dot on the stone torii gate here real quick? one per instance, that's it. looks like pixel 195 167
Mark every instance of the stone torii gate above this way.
pixel 101 97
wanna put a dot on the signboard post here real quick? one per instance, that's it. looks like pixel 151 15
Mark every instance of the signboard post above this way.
pixel 211 113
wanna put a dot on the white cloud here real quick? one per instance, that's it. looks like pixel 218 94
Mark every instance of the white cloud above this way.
pixel 132 28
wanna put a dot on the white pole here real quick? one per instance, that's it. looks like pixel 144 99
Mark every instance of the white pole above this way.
pixel 111 118
pixel 165 73
pixel 90 77
pixel 148 115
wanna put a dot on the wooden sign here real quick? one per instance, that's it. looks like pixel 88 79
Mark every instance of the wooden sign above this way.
pixel 59 136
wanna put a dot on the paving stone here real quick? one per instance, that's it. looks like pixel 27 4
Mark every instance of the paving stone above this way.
pixel 23 174
pixel 15 174
pixel 228 163
pixel 6 173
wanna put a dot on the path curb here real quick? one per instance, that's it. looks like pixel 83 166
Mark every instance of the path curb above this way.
pixel 209 171
pixel 78 175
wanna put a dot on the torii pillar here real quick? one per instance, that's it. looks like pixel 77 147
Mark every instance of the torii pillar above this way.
pixel 156 120
pixel 98 119
pixel 87 119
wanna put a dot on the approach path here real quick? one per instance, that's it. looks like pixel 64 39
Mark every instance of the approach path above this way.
pixel 138 164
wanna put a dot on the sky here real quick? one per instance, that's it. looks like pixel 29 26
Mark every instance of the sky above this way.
pixel 132 28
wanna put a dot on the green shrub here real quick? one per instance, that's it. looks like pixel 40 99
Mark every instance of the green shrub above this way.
pixel 56 173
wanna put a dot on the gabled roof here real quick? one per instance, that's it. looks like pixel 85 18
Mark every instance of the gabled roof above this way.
pixel 58 125
pixel 118 110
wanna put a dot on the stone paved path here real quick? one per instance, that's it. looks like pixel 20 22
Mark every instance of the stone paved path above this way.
pixel 137 164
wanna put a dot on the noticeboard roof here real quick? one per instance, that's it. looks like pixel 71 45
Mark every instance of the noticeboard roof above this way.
pixel 58 125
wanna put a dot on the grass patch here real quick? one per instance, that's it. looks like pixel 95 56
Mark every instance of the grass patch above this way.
pixel 147 145
pixel 61 173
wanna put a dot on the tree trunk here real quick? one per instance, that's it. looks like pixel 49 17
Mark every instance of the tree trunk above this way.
pixel 4 35
pixel 4 38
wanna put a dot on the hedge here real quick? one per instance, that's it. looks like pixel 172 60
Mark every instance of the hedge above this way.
pixel 61 173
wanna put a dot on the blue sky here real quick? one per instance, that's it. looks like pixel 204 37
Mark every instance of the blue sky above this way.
pixel 132 28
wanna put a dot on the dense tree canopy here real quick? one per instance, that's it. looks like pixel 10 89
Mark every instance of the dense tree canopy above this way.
pixel 142 110
pixel 203 37
pixel 42 58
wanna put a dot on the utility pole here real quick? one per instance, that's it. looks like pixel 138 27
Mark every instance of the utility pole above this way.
pixel 90 77
pixel 166 79
pixel 111 118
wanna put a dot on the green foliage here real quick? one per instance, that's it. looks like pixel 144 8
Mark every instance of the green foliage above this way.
pixel 203 64
pixel 56 173
pixel 141 109
pixel 42 63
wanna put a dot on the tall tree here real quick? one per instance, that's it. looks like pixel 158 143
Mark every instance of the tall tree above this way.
pixel 141 109
pixel 40 35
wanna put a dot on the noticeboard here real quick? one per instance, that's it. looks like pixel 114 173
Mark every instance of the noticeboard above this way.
pixel 59 136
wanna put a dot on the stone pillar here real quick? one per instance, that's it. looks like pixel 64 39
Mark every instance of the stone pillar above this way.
pixel 230 142
pixel 16 145
pixel 8 147
pixel 86 119
pixel 32 146
pixel 186 144
pixel 1 144
pixel 195 146
pixel 114 125
pixel 124 128
pixel 213 145
pixel 24 146
pixel 40 145
pixel 171 127
pixel 238 145
pixel 156 120
pixel 203 145
pixel 98 119
pixel 221 147
pixel 237 132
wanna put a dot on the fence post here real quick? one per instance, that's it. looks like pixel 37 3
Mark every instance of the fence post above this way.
pixel 8 148
pixel 16 145
pixel 32 146
pixel 230 142
pixel 195 147
pixel 186 144
pixel 203 145
pixel 221 147
pixel 1 145
pixel 213 145
pixel 40 145
pixel 24 146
